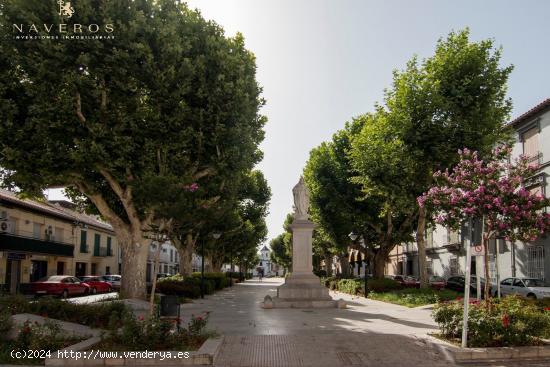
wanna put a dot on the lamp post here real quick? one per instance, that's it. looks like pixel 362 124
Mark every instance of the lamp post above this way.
pixel 354 236
pixel 231 266
pixel 215 235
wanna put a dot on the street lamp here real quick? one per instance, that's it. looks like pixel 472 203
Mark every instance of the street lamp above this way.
pixel 354 236
pixel 215 235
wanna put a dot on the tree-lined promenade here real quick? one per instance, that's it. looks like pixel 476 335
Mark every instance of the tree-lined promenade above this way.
pixel 367 180
pixel 156 129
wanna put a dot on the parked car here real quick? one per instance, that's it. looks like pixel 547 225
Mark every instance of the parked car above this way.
pixel 526 287
pixel 456 283
pixel 60 285
pixel 437 282
pixel 113 280
pixel 163 275
pixel 411 282
pixel 96 283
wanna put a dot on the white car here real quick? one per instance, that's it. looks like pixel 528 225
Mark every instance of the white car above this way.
pixel 526 287
pixel 113 280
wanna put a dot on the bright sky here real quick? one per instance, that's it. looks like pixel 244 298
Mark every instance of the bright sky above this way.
pixel 322 62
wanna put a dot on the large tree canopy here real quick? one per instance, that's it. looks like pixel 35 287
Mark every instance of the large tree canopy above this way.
pixel 168 99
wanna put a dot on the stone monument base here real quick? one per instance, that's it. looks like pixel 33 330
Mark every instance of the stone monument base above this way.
pixel 302 291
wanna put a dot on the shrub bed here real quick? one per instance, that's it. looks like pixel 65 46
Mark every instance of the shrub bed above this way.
pixel 219 279
pixel 510 321
pixel 357 285
pixel 96 315
pixel 414 297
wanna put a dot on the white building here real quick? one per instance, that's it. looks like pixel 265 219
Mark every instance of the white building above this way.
pixel 445 249
pixel 265 263
pixel 168 259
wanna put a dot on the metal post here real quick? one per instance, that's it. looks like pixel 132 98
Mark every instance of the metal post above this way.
pixel 467 286
pixel 496 267
pixel 202 269
pixel 366 285
pixel 231 267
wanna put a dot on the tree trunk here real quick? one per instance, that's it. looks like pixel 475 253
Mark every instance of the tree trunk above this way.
pixel 379 265
pixel 135 249
pixel 185 250
pixel 421 243
pixel 216 263
pixel 328 265
pixel 344 265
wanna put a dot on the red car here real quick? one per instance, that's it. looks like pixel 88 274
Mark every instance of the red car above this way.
pixel 96 284
pixel 437 282
pixel 59 285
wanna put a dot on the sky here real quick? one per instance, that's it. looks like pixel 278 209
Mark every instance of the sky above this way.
pixel 322 62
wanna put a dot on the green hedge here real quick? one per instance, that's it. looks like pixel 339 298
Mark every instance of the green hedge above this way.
pixel 189 287
pixel 357 285
pixel 510 321
pixel 101 315
pixel 219 279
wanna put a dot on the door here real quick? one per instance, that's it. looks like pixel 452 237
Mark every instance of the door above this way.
pixel 80 269
pixel 60 268
pixel 519 287
pixel 13 275
pixel 94 268
pixel 39 269
pixel 506 286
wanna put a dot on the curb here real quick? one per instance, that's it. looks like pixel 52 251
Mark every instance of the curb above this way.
pixel 490 354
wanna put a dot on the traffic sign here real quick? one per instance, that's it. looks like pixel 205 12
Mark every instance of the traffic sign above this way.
pixel 477 250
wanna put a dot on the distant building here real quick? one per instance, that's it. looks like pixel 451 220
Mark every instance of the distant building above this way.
pixel 169 260
pixel 265 263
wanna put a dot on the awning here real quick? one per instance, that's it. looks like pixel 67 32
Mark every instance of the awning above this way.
pixel 14 243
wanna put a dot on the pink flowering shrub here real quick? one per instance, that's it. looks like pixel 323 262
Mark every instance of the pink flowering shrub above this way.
pixel 492 189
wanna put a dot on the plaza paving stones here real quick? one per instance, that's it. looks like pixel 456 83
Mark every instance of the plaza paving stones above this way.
pixel 367 333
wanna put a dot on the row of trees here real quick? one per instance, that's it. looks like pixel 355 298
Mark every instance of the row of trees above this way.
pixel 156 130
pixel 368 177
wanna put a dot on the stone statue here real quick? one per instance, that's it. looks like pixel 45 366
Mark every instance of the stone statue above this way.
pixel 301 200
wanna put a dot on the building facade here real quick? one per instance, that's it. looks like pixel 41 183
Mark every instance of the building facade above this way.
pixel 445 249
pixel 168 259
pixel 269 268
pixel 39 239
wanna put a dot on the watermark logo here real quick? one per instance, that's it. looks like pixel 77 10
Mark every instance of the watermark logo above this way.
pixel 65 9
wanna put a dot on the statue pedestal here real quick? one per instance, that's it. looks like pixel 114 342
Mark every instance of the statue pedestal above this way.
pixel 302 289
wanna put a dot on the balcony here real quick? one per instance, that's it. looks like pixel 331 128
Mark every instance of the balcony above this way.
pixel 11 242
pixel 102 252
pixel 535 158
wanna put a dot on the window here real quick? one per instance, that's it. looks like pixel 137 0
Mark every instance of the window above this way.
pixel 535 262
pixel 83 241
pixel 453 265
pixel 507 281
pixel 59 234
pixel 430 267
pixel 530 140
pixel 97 244
pixel 518 283
pixel 37 230
pixel 171 255
pixel 109 249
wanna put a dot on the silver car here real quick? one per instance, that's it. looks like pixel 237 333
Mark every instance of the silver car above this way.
pixel 113 280
pixel 526 287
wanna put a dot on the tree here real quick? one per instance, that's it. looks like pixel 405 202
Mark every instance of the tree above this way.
pixel 453 99
pixel 335 204
pixel 168 99
pixel 493 191
pixel 387 175
pixel 280 251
